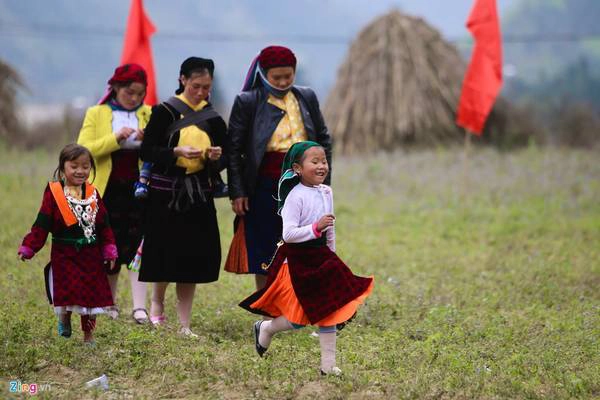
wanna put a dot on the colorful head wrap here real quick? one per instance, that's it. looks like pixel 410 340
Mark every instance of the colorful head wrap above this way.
pixel 276 56
pixel 269 57
pixel 129 73
pixel 125 74
pixel 193 64
pixel 288 178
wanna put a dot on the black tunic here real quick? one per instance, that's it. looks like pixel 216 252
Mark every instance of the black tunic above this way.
pixel 179 246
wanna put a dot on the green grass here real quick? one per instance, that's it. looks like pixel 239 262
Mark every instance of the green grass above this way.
pixel 487 286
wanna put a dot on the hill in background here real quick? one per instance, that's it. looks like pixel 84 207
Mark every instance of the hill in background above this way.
pixel 560 62
pixel 66 50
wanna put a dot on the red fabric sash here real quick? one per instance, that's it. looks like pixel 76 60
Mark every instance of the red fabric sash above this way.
pixel 237 258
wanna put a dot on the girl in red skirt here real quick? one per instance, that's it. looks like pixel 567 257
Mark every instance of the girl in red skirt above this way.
pixel 307 283
pixel 82 243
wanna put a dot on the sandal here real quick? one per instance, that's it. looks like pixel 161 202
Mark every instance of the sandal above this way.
pixel 113 312
pixel 187 332
pixel 143 320
pixel 257 346
pixel 158 320
pixel 335 371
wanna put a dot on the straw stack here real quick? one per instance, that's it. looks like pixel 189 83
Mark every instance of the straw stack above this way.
pixel 399 85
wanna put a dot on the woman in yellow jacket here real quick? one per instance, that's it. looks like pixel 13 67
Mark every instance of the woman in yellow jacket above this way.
pixel 113 131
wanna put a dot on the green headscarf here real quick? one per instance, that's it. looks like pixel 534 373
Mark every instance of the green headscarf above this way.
pixel 288 178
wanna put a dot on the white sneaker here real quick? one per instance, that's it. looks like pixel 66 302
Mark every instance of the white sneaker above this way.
pixel 335 371
pixel 113 313
pixel 187 332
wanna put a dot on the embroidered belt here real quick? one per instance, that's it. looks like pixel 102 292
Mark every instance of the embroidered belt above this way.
pixel 182 188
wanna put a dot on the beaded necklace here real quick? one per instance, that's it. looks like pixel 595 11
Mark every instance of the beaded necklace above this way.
pixel 84 212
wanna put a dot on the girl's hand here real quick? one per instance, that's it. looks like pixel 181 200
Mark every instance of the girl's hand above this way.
pixel 325 222
pixel 124 133
pixel 214 153
pixel 139 134
pixel 188 152
pixel 25 253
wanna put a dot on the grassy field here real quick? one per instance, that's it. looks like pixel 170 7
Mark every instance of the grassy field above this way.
pixel 487 286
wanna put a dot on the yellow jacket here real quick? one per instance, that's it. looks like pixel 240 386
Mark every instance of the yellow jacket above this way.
pixel 96 134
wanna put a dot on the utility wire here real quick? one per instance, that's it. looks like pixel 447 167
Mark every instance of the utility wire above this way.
pixel 81 33
pixel 98 33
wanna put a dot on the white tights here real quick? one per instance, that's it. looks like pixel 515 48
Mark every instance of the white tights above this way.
pixel 327 339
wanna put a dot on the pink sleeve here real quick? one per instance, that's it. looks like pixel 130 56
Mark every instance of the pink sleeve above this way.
pixel 26 252
pixel 316 231
pixel 109 252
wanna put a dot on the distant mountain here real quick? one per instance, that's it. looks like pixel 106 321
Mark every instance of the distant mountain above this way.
pixel 558 33
pixel 561 62
pixel 66 49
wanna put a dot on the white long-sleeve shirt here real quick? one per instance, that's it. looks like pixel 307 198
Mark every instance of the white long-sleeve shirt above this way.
pixel 303 207
pixel 127 119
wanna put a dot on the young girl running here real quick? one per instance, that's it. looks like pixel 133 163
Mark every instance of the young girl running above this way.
pixel 307 283
pixel 82 242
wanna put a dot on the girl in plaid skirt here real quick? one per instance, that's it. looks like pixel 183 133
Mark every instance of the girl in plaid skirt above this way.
pixel 307 283
pixel 83 244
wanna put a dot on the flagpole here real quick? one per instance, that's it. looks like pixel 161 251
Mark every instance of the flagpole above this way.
pixel 465 163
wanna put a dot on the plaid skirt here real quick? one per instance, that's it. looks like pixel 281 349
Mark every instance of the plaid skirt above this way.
pixel 321 282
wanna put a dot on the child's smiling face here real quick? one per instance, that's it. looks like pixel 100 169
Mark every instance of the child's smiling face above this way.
pixel 314 168
pixel 77 171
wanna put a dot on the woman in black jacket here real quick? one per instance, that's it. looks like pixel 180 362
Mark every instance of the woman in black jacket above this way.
pixel 185 140
pixel 268 116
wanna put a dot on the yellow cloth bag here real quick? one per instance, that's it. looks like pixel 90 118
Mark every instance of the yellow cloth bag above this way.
pixel 196 138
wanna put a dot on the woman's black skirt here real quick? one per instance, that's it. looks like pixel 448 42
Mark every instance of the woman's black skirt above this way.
pixel 183 244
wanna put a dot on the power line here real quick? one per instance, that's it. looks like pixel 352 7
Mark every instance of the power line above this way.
pixel 542 38
pixel 97 33
pixel 81 33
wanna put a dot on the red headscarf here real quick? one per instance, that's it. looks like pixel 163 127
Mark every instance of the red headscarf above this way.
pixel 129 73
pixel 276 56
pixel 125 74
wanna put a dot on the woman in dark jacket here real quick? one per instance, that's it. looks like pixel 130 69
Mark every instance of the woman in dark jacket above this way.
pixel 267 118
pixel 185 140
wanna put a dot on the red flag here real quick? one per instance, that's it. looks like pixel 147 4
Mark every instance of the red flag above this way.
pixel 137 49
pixel 484 76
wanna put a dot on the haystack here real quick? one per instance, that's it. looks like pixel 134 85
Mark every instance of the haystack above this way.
pixel 399 85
